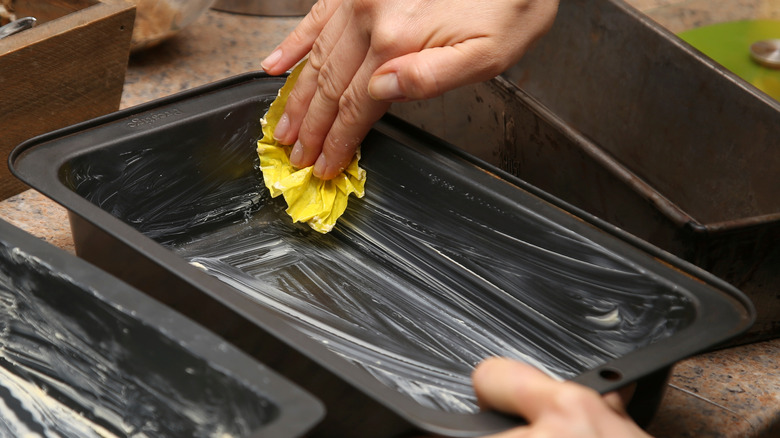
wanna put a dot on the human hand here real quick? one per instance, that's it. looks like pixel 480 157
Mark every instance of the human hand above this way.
pixel 552 408
pixel 365 54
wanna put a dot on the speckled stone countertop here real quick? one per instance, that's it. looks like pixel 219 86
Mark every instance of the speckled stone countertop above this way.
pixel 727 393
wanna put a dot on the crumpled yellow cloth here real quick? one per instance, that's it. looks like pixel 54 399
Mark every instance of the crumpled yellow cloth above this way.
pixel 309 199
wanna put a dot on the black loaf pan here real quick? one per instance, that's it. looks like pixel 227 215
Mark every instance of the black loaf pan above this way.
pixel 84 355
pixel 447 260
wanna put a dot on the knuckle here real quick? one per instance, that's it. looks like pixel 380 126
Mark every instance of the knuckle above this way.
pixel 312 24
pixel 349 108
pixel 420 81
pixel 317 55
pixel 385 40
pixel 327 85
pixel 319 12
pixel 298 36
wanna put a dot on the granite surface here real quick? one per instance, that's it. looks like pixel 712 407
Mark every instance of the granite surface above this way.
pixel 733 392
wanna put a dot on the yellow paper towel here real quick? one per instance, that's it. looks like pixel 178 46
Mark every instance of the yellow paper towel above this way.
pixel 309 199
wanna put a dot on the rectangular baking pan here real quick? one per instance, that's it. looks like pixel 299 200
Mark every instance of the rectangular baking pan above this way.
pixel 447 260
pixel 662 142
pixel 85 355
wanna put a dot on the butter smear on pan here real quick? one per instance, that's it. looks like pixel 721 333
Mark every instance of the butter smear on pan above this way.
pixel 309 199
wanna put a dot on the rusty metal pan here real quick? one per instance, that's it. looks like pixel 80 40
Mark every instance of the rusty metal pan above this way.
pixel 616 115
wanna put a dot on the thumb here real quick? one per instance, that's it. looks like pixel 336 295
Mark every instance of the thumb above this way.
pixel 434 71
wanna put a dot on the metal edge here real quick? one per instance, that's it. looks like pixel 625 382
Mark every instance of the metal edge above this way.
pixel 120 114
pixel 669 209
pixel 599 155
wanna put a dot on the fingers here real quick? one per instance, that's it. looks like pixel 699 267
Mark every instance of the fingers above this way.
pixel 551 407
pixel 300 41
pixel 329 112
pixel 337 69
pixel 299 100
pixel 618 400
pixel 357 113
pixel 514 388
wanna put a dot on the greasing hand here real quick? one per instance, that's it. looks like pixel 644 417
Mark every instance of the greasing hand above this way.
pixel 552 408
pixel 365 54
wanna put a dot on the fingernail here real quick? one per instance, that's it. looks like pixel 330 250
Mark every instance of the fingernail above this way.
pixel 282 126
pixel 320 166
pixel 385 87
pixel 297 154
pixel 272 59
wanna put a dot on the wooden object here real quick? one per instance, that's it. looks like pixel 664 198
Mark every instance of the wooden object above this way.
pixel 69 68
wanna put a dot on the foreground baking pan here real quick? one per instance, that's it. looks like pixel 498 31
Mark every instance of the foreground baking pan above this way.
pixel 85 355
pixel 447 260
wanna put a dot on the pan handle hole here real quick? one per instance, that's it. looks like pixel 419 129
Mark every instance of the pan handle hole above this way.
pixel 610 374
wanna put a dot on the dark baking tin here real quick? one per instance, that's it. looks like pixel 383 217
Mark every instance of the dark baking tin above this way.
pixel 84 354
pixel 445 261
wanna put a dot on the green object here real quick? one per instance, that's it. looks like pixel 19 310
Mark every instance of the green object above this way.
pixel 729 45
